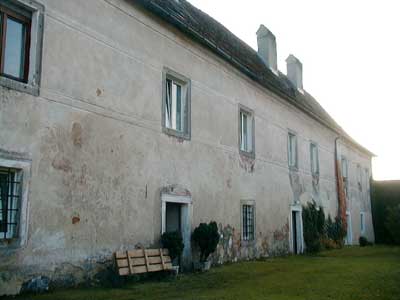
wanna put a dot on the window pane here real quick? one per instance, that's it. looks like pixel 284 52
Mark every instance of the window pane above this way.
pixel 244 132
pixel 14 49
pixel 179 105
pixel 314 159
pixel 168 104
pixel 292 150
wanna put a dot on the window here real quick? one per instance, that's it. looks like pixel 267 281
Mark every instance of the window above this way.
pixel 246 131
pixel 248 222
pixel 362 222
pixel 176 104
pixel 314 159
pixel 367 183
pixel 21 30
pixel 10 193
pixel 345 175
pixel 359 177
pixel 15 43
pixel 292 150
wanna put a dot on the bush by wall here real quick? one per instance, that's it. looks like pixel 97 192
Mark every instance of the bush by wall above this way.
pixel 335 231
pixel 173 242
pixel 206 236
pixel 313 227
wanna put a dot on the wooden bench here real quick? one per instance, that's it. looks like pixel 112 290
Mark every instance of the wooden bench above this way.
pixel 142 261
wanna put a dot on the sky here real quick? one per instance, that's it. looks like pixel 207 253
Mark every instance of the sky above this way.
pixel 350 51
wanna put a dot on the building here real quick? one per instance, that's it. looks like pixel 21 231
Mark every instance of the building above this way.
pixel 123 119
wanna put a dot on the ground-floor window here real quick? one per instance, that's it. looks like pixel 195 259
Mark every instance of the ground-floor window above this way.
pixel 362 222
pixel 10 194
pixel 248 221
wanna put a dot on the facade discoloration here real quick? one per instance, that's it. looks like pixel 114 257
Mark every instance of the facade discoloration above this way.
pixel 102 170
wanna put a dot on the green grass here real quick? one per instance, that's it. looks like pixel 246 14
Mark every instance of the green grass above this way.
pixel 351 273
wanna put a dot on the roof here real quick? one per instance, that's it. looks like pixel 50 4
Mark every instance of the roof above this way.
pixel 207 31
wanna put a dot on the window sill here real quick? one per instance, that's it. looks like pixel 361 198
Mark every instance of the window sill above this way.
pixel 177 134
pixel 10 244
pixel 251 155
pixel 19 86
pixel 247 243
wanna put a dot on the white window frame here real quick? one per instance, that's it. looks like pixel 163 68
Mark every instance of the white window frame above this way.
pixel 292 142
pixel 185 84
pixel 36 43
pixel 24 167
pixel 246 133
pixel 314 163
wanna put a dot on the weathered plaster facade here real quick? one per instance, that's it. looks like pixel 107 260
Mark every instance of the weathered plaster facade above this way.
pixel 99 159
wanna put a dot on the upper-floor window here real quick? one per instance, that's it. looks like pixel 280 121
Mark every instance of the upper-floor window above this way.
pixel 176 104
pixel 345 176
pixel 15 44
pixel 314 159
pixel 246 131
pixel 367 182
pixel 21 30
pixel 359 177
pixel 292 150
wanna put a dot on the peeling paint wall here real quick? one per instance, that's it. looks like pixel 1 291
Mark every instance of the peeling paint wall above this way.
pixel 99 157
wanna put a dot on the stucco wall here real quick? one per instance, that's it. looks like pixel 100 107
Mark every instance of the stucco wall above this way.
pixel 99 158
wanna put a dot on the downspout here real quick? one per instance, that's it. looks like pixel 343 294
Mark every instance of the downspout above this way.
pixel 340 188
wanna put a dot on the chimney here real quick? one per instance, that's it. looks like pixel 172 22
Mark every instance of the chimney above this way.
pixel 267 48
pixel 295 71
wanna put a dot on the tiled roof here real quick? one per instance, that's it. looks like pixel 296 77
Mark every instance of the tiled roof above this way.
pixel 210 33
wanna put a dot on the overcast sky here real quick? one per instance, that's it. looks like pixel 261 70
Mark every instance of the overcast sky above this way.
pixel 350 50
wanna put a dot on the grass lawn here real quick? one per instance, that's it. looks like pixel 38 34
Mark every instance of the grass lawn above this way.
pixel 351 273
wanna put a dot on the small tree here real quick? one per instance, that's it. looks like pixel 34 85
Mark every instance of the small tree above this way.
pixel 206 236
pixel 335 230
pixel 173 242
pixel 313 227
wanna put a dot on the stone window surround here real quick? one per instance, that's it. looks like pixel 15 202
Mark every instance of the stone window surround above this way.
pixel 252 203
pixel 296 208
pixel 35 56
pixel 314 144
pixel 168 73
pixel 362 223
pixel 292 133
pixel 25 167
pixel 249 112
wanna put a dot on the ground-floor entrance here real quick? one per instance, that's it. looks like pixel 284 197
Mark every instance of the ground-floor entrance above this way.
pixel 176 215
pixel 296 230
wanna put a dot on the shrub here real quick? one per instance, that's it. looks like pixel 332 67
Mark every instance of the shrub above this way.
pixel 363 241
pixel 329 244
pixel 206 236
pixel 173 242
pixel 313 227
pixel 392 223
pixel 335 231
